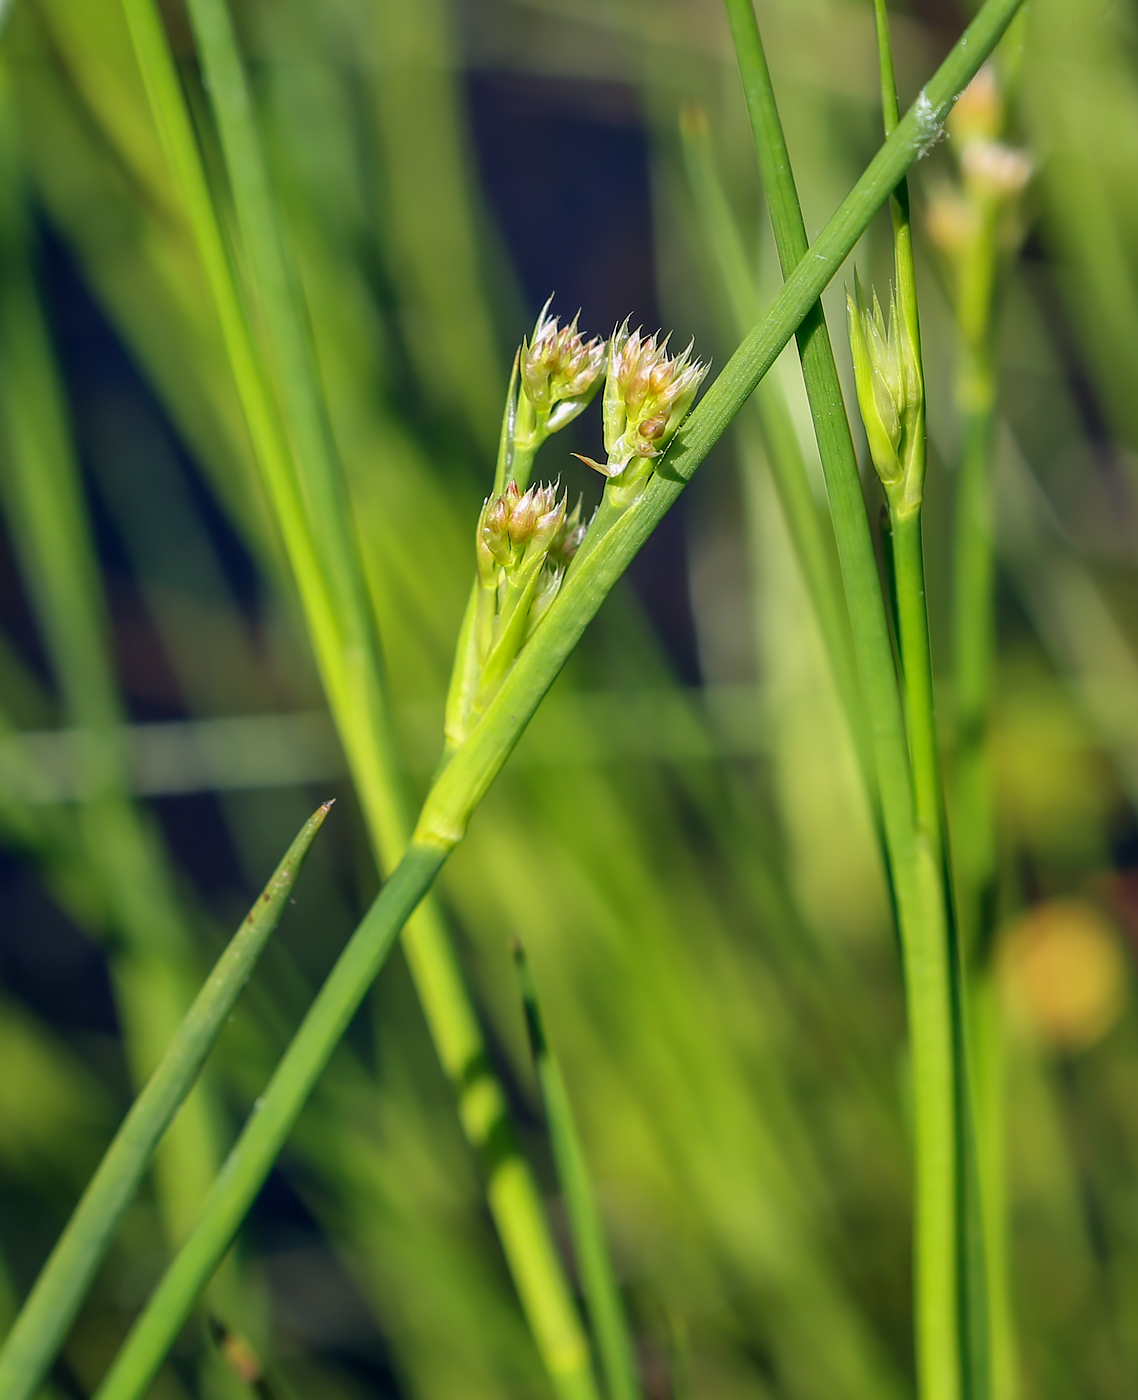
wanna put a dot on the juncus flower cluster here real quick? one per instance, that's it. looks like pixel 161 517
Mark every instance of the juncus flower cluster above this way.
pixel 526 536
pixel 524 543
pixel 560 371
pixel 647 395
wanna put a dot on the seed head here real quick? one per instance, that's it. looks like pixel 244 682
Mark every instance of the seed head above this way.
pixel 568 539
pixel 560 369
pixel 517 526
pixel 647 395
pixel 889 385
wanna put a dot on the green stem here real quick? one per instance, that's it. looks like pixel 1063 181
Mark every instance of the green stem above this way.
pixel 917 674
pixel 269 1125
pixel 42 1324
pixel 809 529
pixel 974 593
pixel 43 497
pixel 343 626
pixel 974 844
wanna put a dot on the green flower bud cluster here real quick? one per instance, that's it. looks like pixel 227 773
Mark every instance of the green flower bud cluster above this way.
pixel 890 392
pixel 560 372
pixel 524 543
pixel 647 396
pixel 526 535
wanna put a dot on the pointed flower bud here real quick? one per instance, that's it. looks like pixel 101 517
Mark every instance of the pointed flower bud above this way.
pixel 525 541
pixel 560 370
pixel 560 555
pixel 568 539
pixel 647 395
pixel 890 391
pixel 518 525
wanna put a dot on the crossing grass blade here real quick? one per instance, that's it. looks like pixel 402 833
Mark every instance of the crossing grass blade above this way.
pixel 42 1324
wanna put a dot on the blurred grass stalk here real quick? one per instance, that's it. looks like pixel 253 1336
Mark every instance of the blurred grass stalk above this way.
pixel 972 229
pixel 594 1262
pixel 38 1332
pixel 810 529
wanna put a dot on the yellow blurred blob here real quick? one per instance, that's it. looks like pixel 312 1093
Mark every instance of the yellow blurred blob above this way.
pixel 1064 974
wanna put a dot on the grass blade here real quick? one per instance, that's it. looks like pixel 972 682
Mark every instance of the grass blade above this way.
pixel 269 1125
pixel 602 1292
pixel 809 529
pixel 51 1306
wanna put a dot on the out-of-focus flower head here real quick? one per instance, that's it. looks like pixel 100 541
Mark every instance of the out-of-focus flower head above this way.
pixel 993 169
pixel 978 113
pixel 963 218
pixel 1064 974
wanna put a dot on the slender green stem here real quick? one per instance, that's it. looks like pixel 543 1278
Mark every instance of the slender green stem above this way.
pixel 602 1292
pixel 928 789
pixel 973 1319
pixel 913 845
pixel 974 593
pixel 839 460
pixel 269 1125
pixel 974 843
pixel 917 674
pixel 349 650
pixel 466 778
pixel 42 1324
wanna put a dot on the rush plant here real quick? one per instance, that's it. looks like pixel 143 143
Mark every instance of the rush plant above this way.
pixel 542 568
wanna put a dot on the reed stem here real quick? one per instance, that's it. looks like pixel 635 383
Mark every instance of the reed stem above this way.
pixel 50 1308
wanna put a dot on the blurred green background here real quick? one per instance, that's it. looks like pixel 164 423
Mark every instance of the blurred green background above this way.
pixel 681 838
